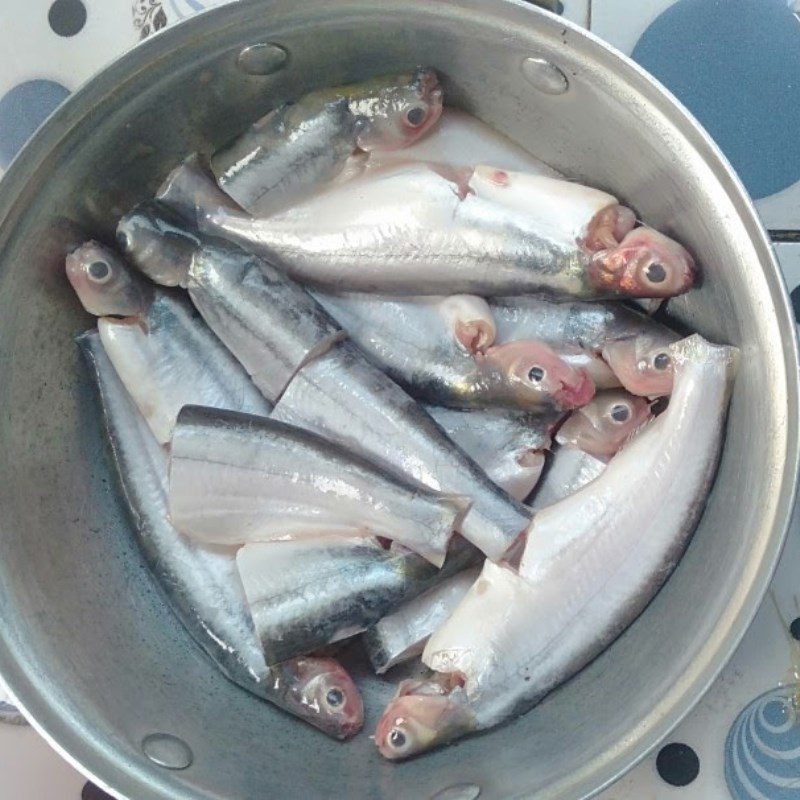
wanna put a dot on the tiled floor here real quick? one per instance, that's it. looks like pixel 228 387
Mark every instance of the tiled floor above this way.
pixel 48 48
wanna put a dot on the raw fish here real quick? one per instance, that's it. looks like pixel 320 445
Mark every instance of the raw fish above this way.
pixel 508 445
pixel 307 593
pixel 202 584
pixel 162 350
pixel 413 229
pixel 344 398
pixel 235 478
pixel 401 635
pixel 272 325
pixel 591 564
pixel 439 350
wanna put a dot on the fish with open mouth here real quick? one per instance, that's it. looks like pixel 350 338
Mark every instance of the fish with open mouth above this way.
pixel 306 593
pixel 418 229
pixel 298 146
pixel 591 564
pixel 202 584
pixel 272 325
pixel 635 346
pixel 162 350
pixel 236 478
pixel 442 351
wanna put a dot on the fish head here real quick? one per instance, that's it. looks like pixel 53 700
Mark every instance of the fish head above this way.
pixel 609 227
pixel 326 695
pixel 470 320
pixel 644 264
pixel 603 426
pixel 398 111
pixel 105 284
pixel 642 363
pixel 537 376
pixel 422 715
pixel 158 243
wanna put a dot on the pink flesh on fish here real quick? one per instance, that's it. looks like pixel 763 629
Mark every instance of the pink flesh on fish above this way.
pixel 645 263
pixel 534 366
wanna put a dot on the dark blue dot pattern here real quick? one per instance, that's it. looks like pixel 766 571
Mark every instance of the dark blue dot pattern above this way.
pixel 67 17
pixel 794 628
pixel 736 65
pixel 677 764
pixel 22 110
pixel 92 792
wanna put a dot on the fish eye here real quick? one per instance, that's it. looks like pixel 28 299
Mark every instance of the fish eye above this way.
pixel 335 697
pixel 655 273
pixel 661 361
pixel 99 271
pixel 415 116
pixel 620 412
pixel 123 240
pixel 536 374
pixel 397 739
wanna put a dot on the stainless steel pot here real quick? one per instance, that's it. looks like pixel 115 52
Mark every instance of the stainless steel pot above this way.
pixel 87 644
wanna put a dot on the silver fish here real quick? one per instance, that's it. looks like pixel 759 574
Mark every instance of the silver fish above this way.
pixel 286 154
pixel 346 399
pixel 267 321
pixel 298 146
pixel 310 592
pixel 635 346
pixel 508 445
pixel 401 635
pixel 413 229
pixel 202 584
pixel 567 470
pixel 591 564
pixel 162 350
pixel 236 478
pixel 440 351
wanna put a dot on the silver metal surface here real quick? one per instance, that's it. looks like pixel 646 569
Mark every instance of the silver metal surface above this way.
pixel 89 648
pixel 544 75
pixel 262 59
pixel 167 751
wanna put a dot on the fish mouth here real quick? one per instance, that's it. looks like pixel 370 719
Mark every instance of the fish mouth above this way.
pixel 347 730
pixel 576 393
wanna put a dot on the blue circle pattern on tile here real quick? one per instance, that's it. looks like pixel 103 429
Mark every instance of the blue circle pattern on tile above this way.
pixel 736 65
pixel 762 751
pixel 22 110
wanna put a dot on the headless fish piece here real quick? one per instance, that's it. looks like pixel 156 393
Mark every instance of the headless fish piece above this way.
pixel 440 351
pixel 266 320
pixel 235 478
pixel 163 352
pixel 586 573
pixel 401 635
pixel 634 346
pixel 461 140
pixel 295 148
pixel 344 398
pixel 508 445
pixel 306 593
pixel 202 584
pixel 413 229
